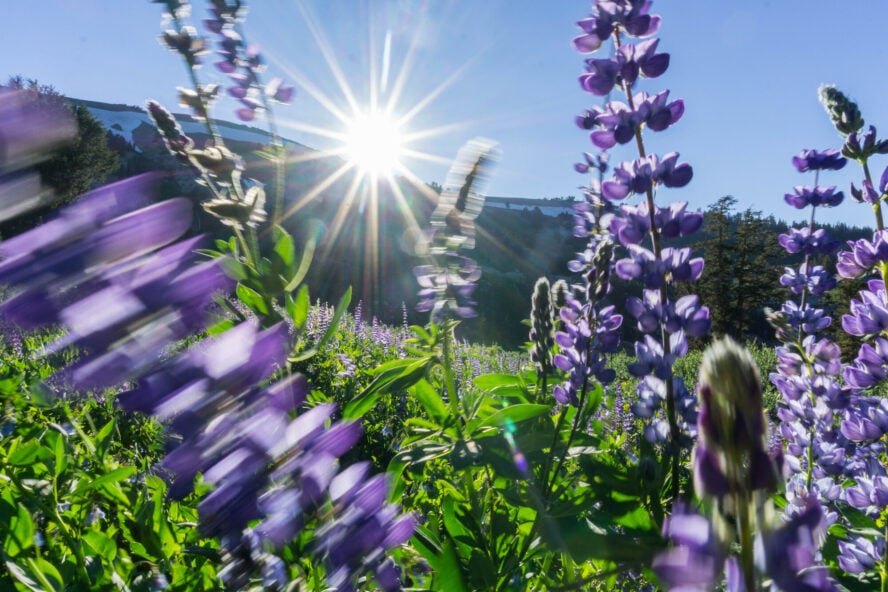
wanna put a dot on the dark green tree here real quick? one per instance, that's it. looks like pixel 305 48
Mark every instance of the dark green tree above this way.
pixel 714 286
pixel 741 276
pixel 756 276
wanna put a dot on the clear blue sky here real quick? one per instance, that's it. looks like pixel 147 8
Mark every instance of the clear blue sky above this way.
pixel 748 71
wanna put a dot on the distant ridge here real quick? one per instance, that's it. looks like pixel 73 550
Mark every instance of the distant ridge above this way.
pixel 122 120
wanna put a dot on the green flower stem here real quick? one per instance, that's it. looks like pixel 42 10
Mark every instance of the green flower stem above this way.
pixel 570 437
pixel 449 382
pixel 671 413
pixel 877 208
pixel 747 558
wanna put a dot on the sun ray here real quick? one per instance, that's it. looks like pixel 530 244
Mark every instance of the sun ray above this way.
pixel 386 62
pixel 436 92
pixel 329 58
pixel 317 189
pixel 426 157
pixel 339 218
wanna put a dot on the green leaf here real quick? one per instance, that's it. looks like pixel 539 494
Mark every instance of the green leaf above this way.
pixel 61 462
pixel 28 454
pixel 103 438
pixel 304 264
pixel 283 246
pixel 252 299
pixel 233 268
pixel 108 479
pixel 298 307
pixel 21 533
pixel 46 572
pixel 220 327
pixel 514 414
pixel 391 376
pixel 22 577
pixel 99 544
pixel 429 398
pixel 487 382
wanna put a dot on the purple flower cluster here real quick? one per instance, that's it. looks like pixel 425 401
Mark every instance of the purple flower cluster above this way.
pixel 618 122
pixel 243 62
pixel 666 324
pixel 588 334
pixel 809 369
pixel 864 423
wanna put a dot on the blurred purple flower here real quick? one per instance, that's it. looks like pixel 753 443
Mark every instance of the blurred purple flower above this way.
pixel 819 160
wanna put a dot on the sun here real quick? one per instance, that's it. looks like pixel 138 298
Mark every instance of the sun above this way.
pixel 374 143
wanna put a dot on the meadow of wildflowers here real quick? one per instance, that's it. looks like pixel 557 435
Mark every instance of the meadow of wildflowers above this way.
pixel 176 414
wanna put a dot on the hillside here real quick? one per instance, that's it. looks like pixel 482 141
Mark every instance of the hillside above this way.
pixel 519 240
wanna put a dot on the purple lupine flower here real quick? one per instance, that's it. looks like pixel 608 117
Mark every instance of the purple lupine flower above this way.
pixel 861 146
pixel 808 242
pixel 819 160
pixel 187 43
pixel 816 282
pixel 630 16
pixel 629 62
pixel 618 123
pixel 870 366
pixel 864 256
pixel 588 334
pixel 859 554
pixel 697 559
pixel 366 527
pixel 869 315
pixel 803 197
pixel 868 494
pixel 639 176
pixel 446 285
pixel 789 553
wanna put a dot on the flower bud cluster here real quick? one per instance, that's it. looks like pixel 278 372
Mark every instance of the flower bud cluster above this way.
pixel 542 335
pixel 588 334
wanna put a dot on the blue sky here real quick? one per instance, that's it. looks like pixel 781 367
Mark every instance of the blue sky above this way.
pixel 505 69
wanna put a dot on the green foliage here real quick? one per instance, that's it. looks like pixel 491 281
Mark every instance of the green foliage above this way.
pixel 79 507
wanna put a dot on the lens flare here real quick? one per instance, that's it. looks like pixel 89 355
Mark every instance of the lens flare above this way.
pixel 373 143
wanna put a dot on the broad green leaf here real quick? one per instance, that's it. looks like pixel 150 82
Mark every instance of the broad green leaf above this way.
pixel 514 414
pixel 46 573
pixel 100 544
pixel 23 577
pixel 304 265
pixel 487 382
pixel 108 478
pixel 283 246
pixel 28 454
pixel 391 377
pixel 297 307
pixel 252 299
pixel 61 462
pixel 21 533
pixel 233 268
pixel 431 401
